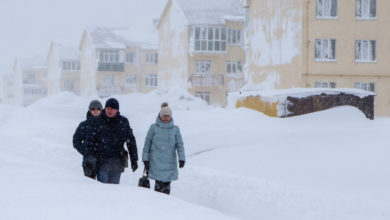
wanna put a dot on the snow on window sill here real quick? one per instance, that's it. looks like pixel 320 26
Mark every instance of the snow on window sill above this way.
pixel 366 18
pixel 325 61
pixel 327 18
pixel 365 61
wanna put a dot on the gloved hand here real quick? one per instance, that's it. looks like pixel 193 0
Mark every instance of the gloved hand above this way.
pixel 134 165
pixel 181 163
pixel 146 163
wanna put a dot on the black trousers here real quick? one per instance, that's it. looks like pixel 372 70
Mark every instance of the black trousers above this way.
pixel 163 187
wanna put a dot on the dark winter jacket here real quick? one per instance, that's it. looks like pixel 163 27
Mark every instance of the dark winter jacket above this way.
pixel 111 134
pixel 80 142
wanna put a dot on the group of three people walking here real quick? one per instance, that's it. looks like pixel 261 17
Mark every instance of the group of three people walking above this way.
pixel 102 136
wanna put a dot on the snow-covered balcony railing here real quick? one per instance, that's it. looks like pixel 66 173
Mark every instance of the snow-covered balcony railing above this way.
pixel 104 91
pixel 114 67
pixel 206 80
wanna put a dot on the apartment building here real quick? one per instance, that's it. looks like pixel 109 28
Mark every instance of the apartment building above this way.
pixel 321 43
pixel 27 83
pixel 201 47
pixel 63 69
pixel 117 61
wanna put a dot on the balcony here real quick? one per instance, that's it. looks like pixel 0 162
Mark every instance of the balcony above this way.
pixel 206 80
pixel 111 67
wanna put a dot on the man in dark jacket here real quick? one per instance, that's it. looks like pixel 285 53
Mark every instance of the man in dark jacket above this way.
pixel 111 132
pixel 82 145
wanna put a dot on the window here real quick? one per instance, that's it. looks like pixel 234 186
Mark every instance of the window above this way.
pixel 131 80
pixel 324 85
pixel 234 36
pixel 108 79
pixel 234 67
pixel 366 9
pixel 30 78
pixel 203 67
pixel 68 85
pixel 365 50
pixel 325 50
pixel 109 55
pixel 210 39
pixel 70 65
pixel 151 80
pixel 203 95
pixel 368 86
pixel 151 58
pixel 130 57
pixel 326 8
pixel 35 91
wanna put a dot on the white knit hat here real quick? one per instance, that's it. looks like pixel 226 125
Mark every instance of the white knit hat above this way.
pixel 165 110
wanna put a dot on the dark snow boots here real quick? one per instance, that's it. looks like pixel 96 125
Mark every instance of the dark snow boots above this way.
pixel 163 187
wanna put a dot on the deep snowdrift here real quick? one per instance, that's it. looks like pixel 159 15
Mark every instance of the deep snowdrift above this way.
pixel 326 165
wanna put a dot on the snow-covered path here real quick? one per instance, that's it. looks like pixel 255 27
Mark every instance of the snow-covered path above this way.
pixel 328 165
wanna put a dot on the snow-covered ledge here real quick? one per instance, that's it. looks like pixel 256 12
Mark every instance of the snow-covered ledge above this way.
pixel 298 101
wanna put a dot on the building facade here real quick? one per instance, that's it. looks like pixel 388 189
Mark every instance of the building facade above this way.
pixel 111 62
pixel 27 83
pixel 63 69
pixel 320 43
pixel 201 47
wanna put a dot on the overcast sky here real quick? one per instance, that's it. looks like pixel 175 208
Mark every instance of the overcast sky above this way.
pixel 28 26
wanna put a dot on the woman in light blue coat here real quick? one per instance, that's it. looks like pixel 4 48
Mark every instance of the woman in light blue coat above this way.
pixel 163 146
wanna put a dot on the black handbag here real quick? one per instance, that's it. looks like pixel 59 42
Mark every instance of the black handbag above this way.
pixel 144 180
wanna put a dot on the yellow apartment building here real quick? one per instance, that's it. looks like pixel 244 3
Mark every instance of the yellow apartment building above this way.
pixel 320 43
pixel 201 47
pixel 27 83
pixel 63 69
pixel 117 61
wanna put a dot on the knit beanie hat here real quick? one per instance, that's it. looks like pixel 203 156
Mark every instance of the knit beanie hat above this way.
pixel 95 104
pixel 165 110
pixel 112 103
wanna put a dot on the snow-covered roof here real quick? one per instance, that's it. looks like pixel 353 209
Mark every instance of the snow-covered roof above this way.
pixel 32 63
pixel 122 37
pixel 211 11
pixel 304 92
pixel 66 52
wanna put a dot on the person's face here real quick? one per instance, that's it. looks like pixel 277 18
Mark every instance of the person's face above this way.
pixel 95 111
pixel 110 112
pixel 166 118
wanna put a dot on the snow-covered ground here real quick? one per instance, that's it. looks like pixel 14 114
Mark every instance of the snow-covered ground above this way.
pixel 241 164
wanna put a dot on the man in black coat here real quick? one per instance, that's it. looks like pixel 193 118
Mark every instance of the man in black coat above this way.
pixel 111 132
pixel 86 147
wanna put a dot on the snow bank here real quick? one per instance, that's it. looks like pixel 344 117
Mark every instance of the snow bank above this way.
pixel 324 165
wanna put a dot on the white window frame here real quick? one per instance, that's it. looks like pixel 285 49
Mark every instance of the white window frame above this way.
pixel 30 78
pixel 324 9
pixel 69 85
pixel 323 50
pixel 203 67
pixel 233 67
pixel 210 39
pixel 363 9
pixel 151 80
pixel 362 53
pixel 151 58
pixel 70 65
pixel 234 36
pixel 130 57
pixel 324 84
pixel 131 80
pixel 367 86
pixel 203 95
pixel 109 55
pixel 108 80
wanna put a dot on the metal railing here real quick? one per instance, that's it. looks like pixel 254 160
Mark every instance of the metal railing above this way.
pixel 206 80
